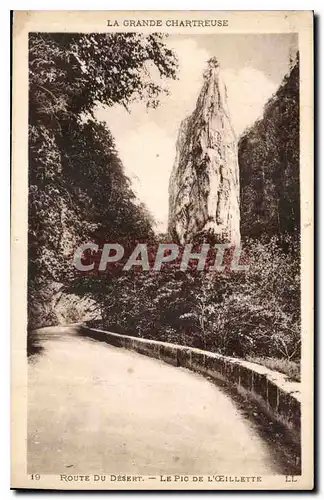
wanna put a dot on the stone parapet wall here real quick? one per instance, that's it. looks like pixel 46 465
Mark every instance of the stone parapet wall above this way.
pixel 276 395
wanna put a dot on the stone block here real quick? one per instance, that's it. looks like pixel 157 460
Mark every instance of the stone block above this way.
pixel 272 398
pixel 198 361
pixel 246 378
pixel 289 408
pixel 260 385
pixel 184 357
pixel 169 354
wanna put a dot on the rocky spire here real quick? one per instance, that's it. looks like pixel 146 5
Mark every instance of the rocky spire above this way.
pixel 204 183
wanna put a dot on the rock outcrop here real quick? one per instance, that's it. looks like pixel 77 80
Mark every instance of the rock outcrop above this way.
pixel 269 165
pixel 204 184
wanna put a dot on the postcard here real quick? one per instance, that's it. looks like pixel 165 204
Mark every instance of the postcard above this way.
pixel 162 250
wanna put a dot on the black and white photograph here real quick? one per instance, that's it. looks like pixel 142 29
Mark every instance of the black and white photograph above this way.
pixel 166 190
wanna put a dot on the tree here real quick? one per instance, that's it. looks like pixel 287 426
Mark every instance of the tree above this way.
pixel 77 186
pixel 269 165
pixel 69 73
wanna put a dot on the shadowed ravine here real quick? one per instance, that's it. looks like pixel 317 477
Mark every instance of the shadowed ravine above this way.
pixel 94 408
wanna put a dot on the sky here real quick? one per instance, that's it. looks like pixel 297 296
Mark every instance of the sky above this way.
pixel 252 67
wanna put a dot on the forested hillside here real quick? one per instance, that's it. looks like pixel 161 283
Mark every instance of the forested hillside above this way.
pixel 253 314
pixel 78 190
pixel 269 165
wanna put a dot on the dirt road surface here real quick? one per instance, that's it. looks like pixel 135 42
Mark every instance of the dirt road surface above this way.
pixel 94 408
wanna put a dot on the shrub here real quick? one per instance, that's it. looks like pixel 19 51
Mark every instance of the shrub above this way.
pixel 252 313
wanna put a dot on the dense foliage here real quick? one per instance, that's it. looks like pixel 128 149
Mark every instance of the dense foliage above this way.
pixel 77 186
pixel 252 314
pixel 78 192
pixel 255 312
pixel 269 165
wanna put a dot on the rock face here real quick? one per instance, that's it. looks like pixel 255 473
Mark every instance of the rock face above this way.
pixel 269 165
pixel 204 183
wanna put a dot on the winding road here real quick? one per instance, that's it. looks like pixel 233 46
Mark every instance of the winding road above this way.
pixel 94 408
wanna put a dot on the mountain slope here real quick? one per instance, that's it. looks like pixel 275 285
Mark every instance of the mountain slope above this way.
pixel 269 165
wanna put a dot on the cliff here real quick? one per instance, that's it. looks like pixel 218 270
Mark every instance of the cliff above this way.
pixel 269 165
pixel 204 183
